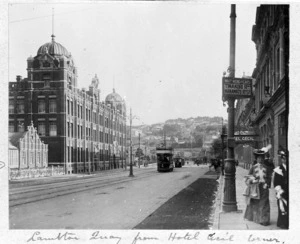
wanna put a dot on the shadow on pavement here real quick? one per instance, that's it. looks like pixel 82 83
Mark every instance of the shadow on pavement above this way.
pixel 191 208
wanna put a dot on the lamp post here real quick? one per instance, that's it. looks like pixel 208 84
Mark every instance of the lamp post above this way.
pixel 145 157
pixel 88 155
pixel 222 137
pixel 229 203
pixel 139 149
pixel 124 154
pixel 131 171
pixel 130 125
pixel 89 162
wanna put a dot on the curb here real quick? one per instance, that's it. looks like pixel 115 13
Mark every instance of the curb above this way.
pixel 218 204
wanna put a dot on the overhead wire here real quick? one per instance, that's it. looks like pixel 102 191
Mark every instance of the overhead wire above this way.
pixel 50 15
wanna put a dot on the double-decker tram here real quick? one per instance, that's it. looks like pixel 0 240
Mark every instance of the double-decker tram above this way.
pixel 164 158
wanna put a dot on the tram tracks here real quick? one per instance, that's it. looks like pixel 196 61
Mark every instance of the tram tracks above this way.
pixel 23 195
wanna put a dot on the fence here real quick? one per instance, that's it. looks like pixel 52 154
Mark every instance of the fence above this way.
pixel 15 174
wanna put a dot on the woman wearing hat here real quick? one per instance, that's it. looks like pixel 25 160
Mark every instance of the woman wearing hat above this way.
pixel 281 188
pixel 258 206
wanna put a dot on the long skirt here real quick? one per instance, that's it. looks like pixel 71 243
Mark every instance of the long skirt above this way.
pixel 258 210
pixel 282 220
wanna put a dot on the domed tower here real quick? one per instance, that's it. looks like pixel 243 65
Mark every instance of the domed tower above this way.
pixel 116 101
pixel 52 64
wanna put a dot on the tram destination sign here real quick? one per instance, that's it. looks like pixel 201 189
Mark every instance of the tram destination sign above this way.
pixel 237 87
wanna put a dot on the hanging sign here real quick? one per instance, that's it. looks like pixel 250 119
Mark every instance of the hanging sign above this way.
pixel 240 139
pixel 237 87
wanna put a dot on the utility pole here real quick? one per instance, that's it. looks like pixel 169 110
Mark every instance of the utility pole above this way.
pixel 130 172
pixel 222 136
pixel 89 160
pixel 125 145
pixel 229 201
pixel 145 156
pixel 93 157
pixel 139 150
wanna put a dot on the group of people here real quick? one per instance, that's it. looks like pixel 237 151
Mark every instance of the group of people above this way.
pixel 258 181
pixel 216 163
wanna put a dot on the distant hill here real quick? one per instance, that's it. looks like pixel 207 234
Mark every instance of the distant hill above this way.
pixel 181 132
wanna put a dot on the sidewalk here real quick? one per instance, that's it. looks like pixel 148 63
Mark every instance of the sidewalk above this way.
pixel 235 220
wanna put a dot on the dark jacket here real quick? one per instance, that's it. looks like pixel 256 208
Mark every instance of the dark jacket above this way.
pixel 281 179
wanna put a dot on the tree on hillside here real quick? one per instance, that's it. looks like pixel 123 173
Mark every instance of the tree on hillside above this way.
pixel 198 139
pixel 216 147
pixel 211 128
pixel 199 128
pixel 139 152
pixel 172 129
pixel 152 143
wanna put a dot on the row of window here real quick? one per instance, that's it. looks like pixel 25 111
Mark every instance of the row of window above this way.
pixel 93 117
pixel 272 72
pixel 91 134
pixel 32 159
pixel 81 155
pixel 32 145
pixel 41 106
pixel 41 128
pixel 53 109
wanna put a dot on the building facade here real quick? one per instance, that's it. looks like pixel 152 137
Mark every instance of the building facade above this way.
pixel 84 134
pixel 268 110
pixel 26 150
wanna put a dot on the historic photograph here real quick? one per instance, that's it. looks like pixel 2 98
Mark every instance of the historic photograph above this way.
pixel 138 115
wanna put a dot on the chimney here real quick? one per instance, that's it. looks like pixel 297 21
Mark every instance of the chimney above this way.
pixel 19 78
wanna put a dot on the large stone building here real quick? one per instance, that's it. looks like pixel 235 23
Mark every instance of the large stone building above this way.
pixel 84 134
pixel 267 112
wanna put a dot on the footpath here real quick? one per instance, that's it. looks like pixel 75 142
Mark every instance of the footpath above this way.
pixel 235 220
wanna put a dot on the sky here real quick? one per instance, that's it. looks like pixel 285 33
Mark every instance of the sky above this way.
pixel 166 59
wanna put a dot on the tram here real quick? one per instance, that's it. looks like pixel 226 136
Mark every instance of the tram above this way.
pixel 179 162
pixel 164 158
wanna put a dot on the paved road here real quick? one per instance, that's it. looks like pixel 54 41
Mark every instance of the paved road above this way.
pixel 191 208
pixel 111 201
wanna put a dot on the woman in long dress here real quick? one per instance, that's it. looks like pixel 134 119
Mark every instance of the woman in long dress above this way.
pixel 258 208
pixel 281 188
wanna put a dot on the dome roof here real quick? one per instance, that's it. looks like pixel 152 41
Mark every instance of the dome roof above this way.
pixel 53 48
pixel 116 101
pixel 114 98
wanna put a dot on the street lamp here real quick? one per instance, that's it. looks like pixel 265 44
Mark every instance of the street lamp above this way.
pixel 88 156
pixel 229 203
pixel 139 150
pixel 131 171
pixel 130 139
pixel 223 135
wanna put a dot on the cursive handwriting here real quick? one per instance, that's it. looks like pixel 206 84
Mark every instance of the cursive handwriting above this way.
pixel 252 238
pixel 2 165
pixel 138 238
pixel 187 236
pixel 67 236
pixel 96 236
pixel 214 237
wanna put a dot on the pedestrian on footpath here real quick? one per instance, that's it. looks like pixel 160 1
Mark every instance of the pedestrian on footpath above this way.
pixel 258 182
pixel 281 188
pixel 269 164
